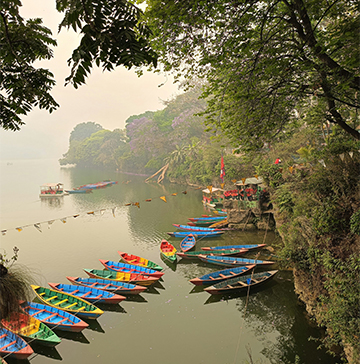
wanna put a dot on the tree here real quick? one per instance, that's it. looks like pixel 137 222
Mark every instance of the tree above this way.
pixel 261 59
pixel 112 34
pixel 84 130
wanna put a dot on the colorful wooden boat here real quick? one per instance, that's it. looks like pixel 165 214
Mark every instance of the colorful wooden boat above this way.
pixel 13 345
pixel 232 261
pixel 78 191
pixel 194 228
pixel 107 285
pixel 31 329
pixel 240 283
pixel 168 251
pixel 195 254
pixel 188 243
pixel 229 247
pixel 219 224
pixel 207 218
pixel 141 279
pixel 92 295
pixel 67 302
pixel 129 268
pixel 93 186
pixel 197 234
pixel 221 275
pixel 54 317
pixel 136 260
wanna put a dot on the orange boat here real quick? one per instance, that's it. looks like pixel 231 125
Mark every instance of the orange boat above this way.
pixel 168 251
pixel 136 260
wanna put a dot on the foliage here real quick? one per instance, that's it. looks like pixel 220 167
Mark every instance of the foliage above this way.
pixel 262 61
pixel 22 86
pixel 84 130
pixel 112 34
pixel 14 285
pixel 317 216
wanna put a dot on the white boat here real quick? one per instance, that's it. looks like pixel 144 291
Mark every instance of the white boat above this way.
pixel 52 190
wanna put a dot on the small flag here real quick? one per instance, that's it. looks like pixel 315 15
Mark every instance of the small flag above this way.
pixel 163 198
pixel 243 180
pixel 91 213
pixel 210 188
pixel 63 220
pixel 19 229
pixel 148 200
pixel 351 154
pixel 321 161
pixel 222 185
pixel 50 223
pixel 113 211
pixel 38 227
pixel 127 204
pixel 342 156
pixel 3 232
pixel 256 176
pixel 137 204
pixel 75 216
pixel 184 192
pixel 173 194
pixel 102 211
pixel 233 180
pixel 291 168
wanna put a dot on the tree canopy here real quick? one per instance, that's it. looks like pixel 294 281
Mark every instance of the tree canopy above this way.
pixel 112 34
pixel 263 59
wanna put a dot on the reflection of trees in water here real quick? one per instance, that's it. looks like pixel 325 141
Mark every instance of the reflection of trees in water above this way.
pixel 275 309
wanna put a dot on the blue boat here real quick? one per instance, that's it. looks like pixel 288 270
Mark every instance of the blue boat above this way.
pixel 54 317
pixel 78 191
pixel 108 285
pixel 130 268
pixel 208 218
pixel 188 243
pixel 13 345
pixel 92 295
pixel 195 254
pixel 197 234
pixel 228 247
pixel 194 228
pixel 232 261
pixel 221 275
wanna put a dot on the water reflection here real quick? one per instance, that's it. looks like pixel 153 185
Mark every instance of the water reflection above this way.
pixel 171 265
pixel 110 307
pixel 94 325
pixel 45 351
pixel 73 336
pixel 135 298
pixel 152 290
pixel 52 202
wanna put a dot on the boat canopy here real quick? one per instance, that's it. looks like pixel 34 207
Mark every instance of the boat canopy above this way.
pixel 250 181
pixel 214 189
pixel 52 185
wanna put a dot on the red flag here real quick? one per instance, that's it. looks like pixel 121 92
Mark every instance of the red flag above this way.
pixel 222 168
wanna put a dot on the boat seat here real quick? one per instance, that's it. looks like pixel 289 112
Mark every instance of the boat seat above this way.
pixel 82 308
pixel 242 283
pixel 255 281
pixel 51 316
pixel 229 286
pixel 37 312
pixel 73 304
pixel 234 274
pixel 41 294
pixel 73 292
pixel 2 336
pixel 85 294
pixel 60 302
pixel 7 345
pixel 106 286
pixel 60 322
pixel 222 275
pixel 50 298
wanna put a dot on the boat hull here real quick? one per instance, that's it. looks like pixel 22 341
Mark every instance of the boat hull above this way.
pixel 140 279
pixel 240 283
pixel 69 303
pixel 197 234
pixel 89 294
pixel 108 285
pixel 54 317
pixel 136 260
pixel 227 247
pixel 221 275
pixel 13 345
pixel 168 251
pixel 232 261
pixel 188 243
pixel 129 268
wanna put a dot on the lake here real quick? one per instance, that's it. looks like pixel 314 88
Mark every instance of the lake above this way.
pixel 173 321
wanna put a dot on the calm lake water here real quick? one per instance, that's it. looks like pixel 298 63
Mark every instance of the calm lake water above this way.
pixel 172 322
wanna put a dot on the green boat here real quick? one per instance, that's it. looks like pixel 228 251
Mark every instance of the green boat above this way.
pixel 67 302
pixel 31 329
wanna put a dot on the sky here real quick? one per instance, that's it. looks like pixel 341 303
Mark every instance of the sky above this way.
pixel 107 98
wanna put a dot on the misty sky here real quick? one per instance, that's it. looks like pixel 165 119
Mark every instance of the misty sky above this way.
pixel 107 98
